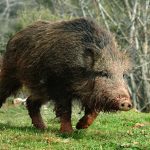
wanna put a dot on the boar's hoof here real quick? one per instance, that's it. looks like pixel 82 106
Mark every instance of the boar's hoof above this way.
pixel 40 126
pixel 66 130
pixel 38 123
pixel 85 122
pixel 81 126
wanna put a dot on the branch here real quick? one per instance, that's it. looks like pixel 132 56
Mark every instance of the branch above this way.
pixel 132 19
pixel 145 106
pixel 128 8
pixel 82 4
pixel 145 44
pixel 103 16
pixel 103 10
pixel 6 10
pixel 147 63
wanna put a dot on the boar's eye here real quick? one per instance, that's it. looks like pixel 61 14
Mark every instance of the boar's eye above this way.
pixel 125 76
pixel 103 73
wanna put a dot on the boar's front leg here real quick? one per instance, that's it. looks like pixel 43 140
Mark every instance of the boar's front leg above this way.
pixel 87 119
pixel 33 106
pixel 63 111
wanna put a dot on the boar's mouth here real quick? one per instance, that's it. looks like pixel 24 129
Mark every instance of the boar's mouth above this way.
pixel 108 105
pixel 104 104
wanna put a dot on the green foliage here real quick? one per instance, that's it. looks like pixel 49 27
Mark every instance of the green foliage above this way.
pixel 27 17
pixel 2 44
pixel 110 131
pixel 5 33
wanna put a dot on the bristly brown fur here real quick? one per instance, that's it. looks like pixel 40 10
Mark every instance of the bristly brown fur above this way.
pixel 1 61
pixel 62 61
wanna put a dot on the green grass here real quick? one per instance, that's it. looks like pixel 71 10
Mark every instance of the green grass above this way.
pixel 110 131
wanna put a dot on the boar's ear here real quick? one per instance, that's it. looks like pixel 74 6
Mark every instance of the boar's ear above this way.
pixel 93 51
pixel 132 54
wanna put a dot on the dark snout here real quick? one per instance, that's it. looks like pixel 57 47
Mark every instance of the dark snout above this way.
pixel 124 100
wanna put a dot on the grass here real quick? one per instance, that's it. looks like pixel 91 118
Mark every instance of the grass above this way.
pixel 110 131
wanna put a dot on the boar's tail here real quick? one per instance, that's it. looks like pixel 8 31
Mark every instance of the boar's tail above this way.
pixel 9 84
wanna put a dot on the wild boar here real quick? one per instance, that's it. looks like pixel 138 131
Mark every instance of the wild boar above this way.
pixel 62 61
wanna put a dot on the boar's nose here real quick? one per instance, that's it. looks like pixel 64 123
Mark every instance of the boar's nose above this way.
pixel 125 105
pixel 124 100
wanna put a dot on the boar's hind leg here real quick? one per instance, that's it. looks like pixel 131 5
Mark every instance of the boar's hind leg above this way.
pixel 63 111
pixel 8 85
pixel 33 106
pixel 87 119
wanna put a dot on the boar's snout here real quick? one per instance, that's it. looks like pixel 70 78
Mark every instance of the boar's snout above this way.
pixel 125 106
pixel 124 99
pixel 124 102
